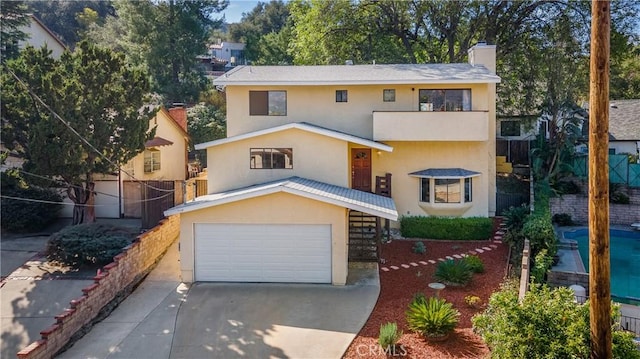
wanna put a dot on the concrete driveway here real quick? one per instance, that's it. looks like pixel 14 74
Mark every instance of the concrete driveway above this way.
pixel 271 320
pixel 165 319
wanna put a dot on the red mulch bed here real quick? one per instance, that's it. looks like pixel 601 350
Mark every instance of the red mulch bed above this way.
pixel 397 288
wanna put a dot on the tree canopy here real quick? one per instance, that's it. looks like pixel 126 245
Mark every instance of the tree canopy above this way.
pixel 14 15
pixel 75 117
pixel 164 38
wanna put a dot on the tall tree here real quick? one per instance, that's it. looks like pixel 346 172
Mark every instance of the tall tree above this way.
pixel 266 32
pixel 14 16
pixel 164 37
pixel 75 117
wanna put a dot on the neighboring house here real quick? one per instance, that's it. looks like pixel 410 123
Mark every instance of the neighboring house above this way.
pixel 313 151
pixel 222 57
pixel 39 35
pixel 624 128
pixel 163 161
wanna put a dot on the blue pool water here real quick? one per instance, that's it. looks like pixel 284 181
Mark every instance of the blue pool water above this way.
pixel 625 260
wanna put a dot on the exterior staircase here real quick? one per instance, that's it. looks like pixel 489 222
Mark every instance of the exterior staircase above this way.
pixel 365 230
pixel 363 237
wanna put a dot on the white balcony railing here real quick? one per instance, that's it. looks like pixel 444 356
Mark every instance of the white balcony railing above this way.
pixel 431 126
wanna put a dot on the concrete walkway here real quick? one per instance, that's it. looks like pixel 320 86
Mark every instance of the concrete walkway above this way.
pixel 142 326
pixel 33 291
pixel 166 319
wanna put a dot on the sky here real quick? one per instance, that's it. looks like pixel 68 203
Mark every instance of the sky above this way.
pixel 233 12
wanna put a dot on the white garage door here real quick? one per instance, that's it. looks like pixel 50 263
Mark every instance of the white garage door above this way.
pixel 292 253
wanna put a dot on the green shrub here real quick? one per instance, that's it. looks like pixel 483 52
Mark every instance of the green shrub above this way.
pixel 562 219
pixel 539 230
pixel 419 248
pixel 541 264
pixel 566 187
pixel 515 217
pixel 28 216
pixel 88 244
pixel 547 324
pixel 619 198
pixel 474 263
pixel 389 335
pixel 452 272
pixel 431 317
pixel 446 228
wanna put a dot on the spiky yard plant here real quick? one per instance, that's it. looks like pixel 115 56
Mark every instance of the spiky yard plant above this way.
pixel 454 273
pixel 389 335
pixel 475 263
pixel 431 317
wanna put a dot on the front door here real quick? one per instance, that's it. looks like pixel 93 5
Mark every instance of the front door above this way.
pixel 361 169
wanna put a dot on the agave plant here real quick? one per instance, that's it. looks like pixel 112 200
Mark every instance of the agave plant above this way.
pixel 432 317
pixel 453 272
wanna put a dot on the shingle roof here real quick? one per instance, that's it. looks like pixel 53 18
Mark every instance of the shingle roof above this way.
pixel 300 126
pixel 445 173
pixel 624 120
pixel 357 75
pixel 341 196
pixel 157 142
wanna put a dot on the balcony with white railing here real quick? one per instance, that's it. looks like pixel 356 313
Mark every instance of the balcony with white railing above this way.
pixel 431 126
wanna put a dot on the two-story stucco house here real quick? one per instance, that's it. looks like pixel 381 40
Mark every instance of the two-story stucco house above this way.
pixel 312 150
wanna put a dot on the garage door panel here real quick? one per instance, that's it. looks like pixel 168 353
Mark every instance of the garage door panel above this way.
pixel 263 253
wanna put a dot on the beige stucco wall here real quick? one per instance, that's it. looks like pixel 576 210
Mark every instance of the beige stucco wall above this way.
pixel 317 105
pixel 316 157
pixel 277 208
pixel 408 157
pixel 173 158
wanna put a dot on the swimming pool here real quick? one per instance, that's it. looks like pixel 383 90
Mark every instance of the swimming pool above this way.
pixel 625 260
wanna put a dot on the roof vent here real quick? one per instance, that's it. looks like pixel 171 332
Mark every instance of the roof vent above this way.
pixel 481 43
pixel 613 105
pixel 348 62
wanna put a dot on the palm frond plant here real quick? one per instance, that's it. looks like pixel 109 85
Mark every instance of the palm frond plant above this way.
pixel 454 273
pixel 432 317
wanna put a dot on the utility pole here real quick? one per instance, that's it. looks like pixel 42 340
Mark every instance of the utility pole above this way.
pixel 599 260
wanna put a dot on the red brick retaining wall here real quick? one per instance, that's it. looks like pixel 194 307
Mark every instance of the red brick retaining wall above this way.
pixel 577 205
pixel 126 270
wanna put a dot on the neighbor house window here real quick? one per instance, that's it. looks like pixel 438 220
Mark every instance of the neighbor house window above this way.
pixel 271 158
pixel 445 100
pixel 268 103
pixel 341 95
pixel 509 128
pixel 151 160
pixel 389 95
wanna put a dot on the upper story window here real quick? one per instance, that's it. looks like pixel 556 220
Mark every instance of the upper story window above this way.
pixel 445 100
pixel 271 158
pixel 341 95
pixel 268 103
pixel 151 160
pixel 389 95
pixel 509 128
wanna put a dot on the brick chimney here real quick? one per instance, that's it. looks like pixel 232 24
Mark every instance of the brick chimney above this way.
pixel 483 54
pixel 179 115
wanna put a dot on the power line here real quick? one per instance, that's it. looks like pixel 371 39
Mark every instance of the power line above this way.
pixel 81 204
pixel 78 134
